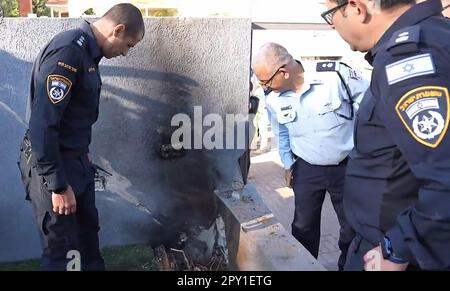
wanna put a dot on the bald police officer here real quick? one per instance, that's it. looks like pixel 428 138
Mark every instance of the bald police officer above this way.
pixel 397 191
pixel 62 107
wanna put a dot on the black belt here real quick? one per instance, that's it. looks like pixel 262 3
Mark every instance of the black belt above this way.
pixel 296 158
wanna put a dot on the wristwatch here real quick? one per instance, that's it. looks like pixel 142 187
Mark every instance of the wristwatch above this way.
pixel 60 190
pixel 388 252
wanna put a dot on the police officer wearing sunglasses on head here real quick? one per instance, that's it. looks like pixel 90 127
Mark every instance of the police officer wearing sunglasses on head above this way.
pixel 397 186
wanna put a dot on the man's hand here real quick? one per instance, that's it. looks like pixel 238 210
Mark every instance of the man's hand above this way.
pixel 288 178
pixel 374 261
pixel 65 202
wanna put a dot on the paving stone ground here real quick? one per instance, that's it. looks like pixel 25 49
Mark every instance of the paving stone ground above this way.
pixel 267 173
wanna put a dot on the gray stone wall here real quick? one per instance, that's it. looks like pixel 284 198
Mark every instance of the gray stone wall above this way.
pixel 181 63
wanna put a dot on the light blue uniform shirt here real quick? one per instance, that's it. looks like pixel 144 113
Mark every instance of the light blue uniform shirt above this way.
pixel 316 124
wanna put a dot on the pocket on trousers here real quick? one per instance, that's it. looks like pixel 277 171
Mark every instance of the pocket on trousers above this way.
pixel 25 173
pixel 43 221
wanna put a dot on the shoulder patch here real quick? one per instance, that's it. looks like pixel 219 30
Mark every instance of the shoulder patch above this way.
pixel 355 75
pixel 57 88
pixel 424 112
pixel 67 66
pixel 326 67
pixel 410 67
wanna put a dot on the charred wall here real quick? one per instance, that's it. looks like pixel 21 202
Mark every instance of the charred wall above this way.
pixel 181 63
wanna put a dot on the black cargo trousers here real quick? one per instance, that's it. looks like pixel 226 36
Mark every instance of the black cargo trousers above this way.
pixel 64 238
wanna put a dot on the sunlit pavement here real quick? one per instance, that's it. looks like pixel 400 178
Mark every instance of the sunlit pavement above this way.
pixel 267 173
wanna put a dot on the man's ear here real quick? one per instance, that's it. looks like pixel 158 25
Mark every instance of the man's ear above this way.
pixel 363 9
pixel 284 71
pixel 119 29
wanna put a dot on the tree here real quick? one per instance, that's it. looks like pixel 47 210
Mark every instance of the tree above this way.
pixel 163 12
pixel 89 11
pixel 10 8
pixel 40 9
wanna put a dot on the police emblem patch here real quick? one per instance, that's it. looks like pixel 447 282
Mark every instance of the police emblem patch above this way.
pixel 57 88
pixel 425 113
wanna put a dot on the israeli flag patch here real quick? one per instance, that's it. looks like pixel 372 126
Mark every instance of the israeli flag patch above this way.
pixel 411 67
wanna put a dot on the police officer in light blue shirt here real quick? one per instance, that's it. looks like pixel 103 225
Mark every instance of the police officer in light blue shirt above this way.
pixel 312 115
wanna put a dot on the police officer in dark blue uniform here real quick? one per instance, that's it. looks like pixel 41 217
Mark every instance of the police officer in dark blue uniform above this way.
pixel 62 107
pixel 397 191
pixel 445 4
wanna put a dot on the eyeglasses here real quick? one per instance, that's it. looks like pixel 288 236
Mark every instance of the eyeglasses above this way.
pixel 269 81
pixel 328 15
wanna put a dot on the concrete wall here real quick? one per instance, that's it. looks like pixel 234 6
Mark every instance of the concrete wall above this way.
pixel 180 63
pixel 256 240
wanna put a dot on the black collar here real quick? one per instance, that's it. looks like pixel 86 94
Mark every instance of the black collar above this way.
pixel 94 49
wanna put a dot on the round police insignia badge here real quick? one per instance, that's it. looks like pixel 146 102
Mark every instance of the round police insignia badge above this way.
pixel 56 93
pixel 429 125
pixel 425 112
pixel 57 88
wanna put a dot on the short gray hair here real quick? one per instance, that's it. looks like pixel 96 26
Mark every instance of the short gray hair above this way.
pixel 273 55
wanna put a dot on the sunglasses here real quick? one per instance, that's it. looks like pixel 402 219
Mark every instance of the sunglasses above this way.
pixel 328 15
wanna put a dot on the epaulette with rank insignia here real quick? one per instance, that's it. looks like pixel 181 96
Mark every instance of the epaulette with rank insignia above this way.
pixel 405 40
pixel 329 66
pixel 333 66
pixel 80 41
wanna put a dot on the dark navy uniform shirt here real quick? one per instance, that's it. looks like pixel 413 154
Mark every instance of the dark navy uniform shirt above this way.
pixel 63 102
pixel 398 178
